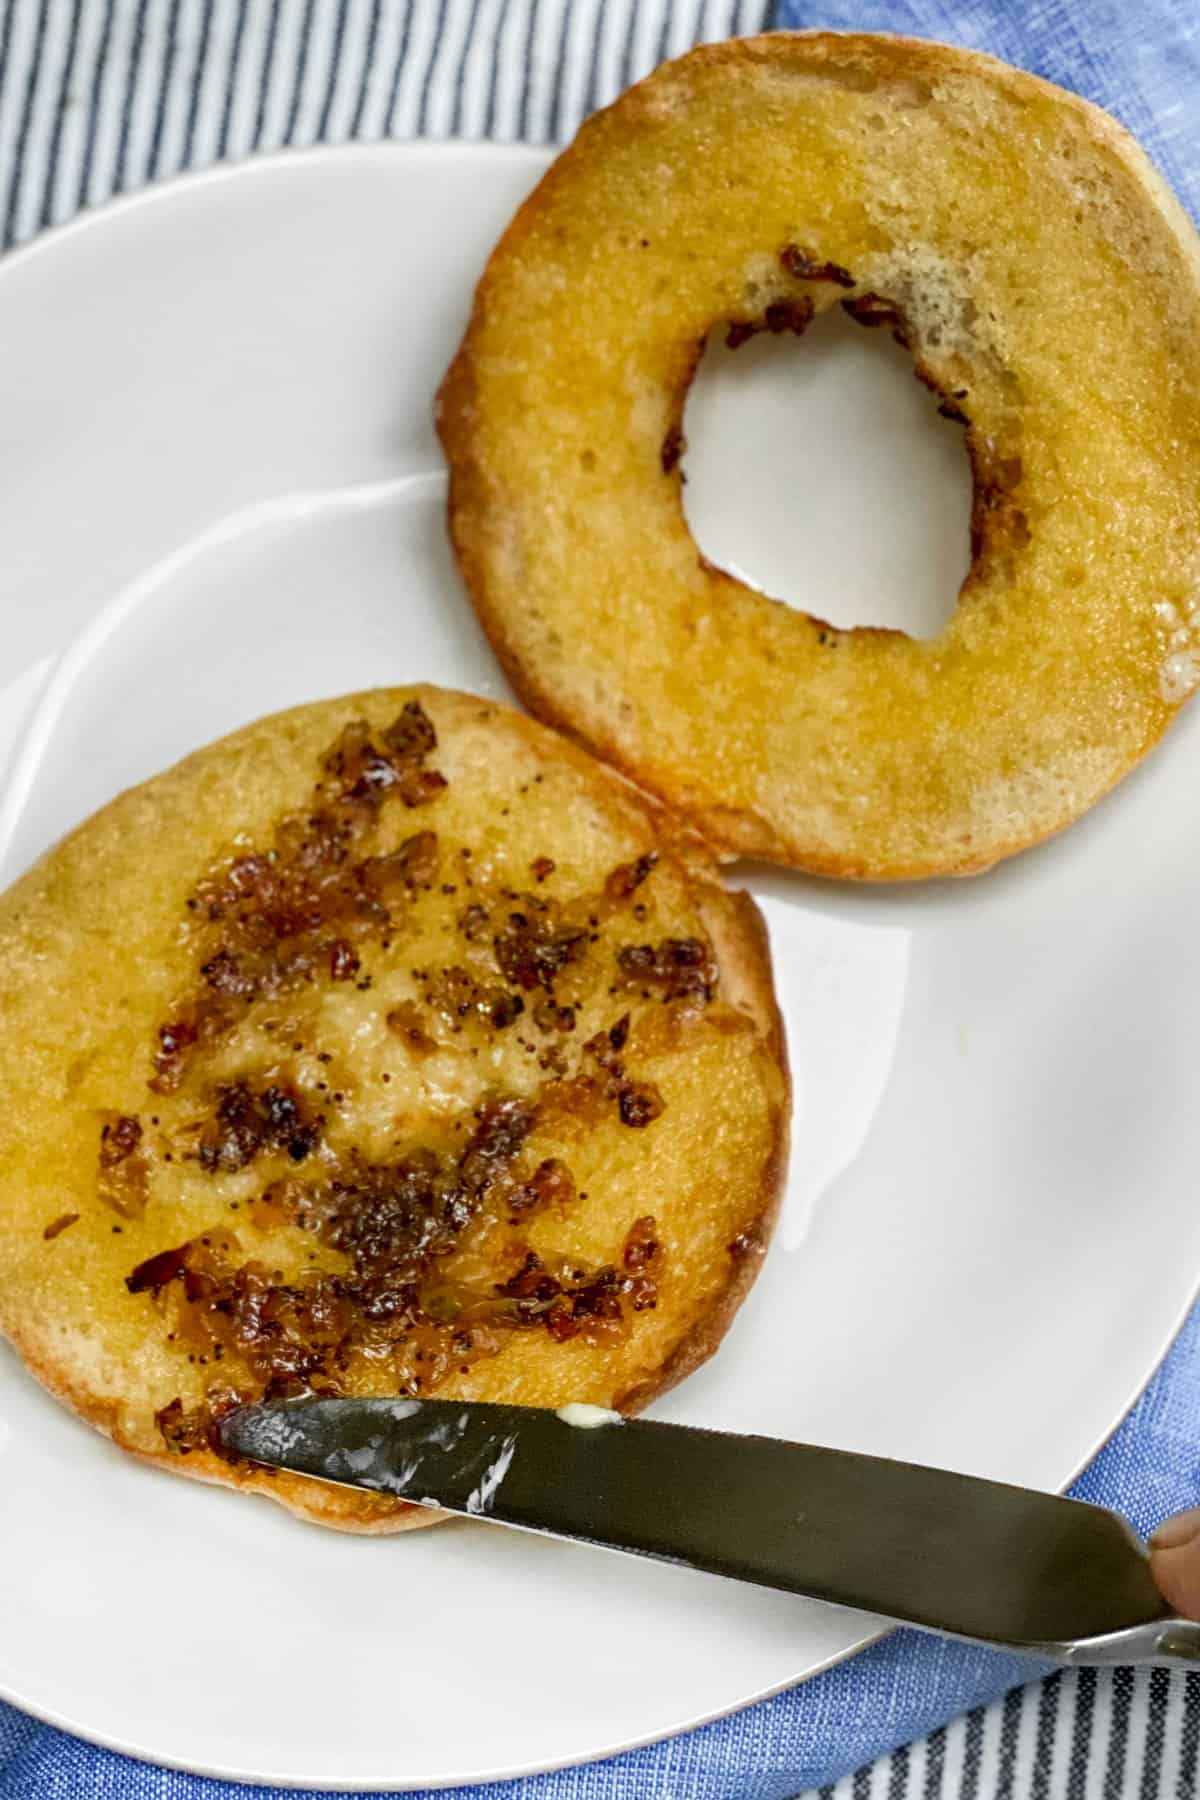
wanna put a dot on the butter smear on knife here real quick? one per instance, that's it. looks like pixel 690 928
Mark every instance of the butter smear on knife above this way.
pixel 586 1418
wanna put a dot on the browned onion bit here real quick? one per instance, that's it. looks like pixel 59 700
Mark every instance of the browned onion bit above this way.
pixel 247 1122
pixel 675 969
pixel 123 1174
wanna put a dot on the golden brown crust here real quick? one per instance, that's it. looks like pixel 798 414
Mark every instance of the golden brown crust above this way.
pixel 1057 673
pixel 739 931
pixel 318 1503
pixel 93 950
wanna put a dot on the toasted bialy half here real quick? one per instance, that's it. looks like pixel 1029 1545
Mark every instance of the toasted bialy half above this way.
pixel 388 1046
pixel 1048 287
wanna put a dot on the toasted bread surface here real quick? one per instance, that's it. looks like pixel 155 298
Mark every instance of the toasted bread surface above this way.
pixel 388 1045
pixel 1048 286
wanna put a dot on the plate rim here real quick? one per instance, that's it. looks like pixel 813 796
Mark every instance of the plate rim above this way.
pixel 166 188
pixel 165 192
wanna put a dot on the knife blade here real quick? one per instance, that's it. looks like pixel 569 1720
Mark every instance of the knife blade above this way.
pixel 948 1553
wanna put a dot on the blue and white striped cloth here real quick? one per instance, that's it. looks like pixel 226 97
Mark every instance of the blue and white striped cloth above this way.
pixel 98 97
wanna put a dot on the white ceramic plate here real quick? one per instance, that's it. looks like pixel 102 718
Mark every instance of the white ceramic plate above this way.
pixel 221 494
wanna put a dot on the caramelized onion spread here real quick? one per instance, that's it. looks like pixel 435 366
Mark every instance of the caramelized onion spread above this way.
pixel 400 1308
pixel 414 1262
pixel 278 919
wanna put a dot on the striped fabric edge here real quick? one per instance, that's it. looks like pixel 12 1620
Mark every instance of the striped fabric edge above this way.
pixel 99 97
pixel 1086 1734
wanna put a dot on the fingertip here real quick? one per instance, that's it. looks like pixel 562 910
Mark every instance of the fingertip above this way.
pixel 1176 1573
pixel 1180 1529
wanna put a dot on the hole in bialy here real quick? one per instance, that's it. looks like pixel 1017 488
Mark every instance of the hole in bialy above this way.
pixel 819 471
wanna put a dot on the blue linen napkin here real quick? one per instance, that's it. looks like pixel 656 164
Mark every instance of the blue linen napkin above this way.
pixel 1143 64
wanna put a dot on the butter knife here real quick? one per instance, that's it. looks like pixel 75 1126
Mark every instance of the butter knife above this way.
pixel 1006 1566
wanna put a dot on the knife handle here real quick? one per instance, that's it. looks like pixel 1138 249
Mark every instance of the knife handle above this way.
pixel 1159 1643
